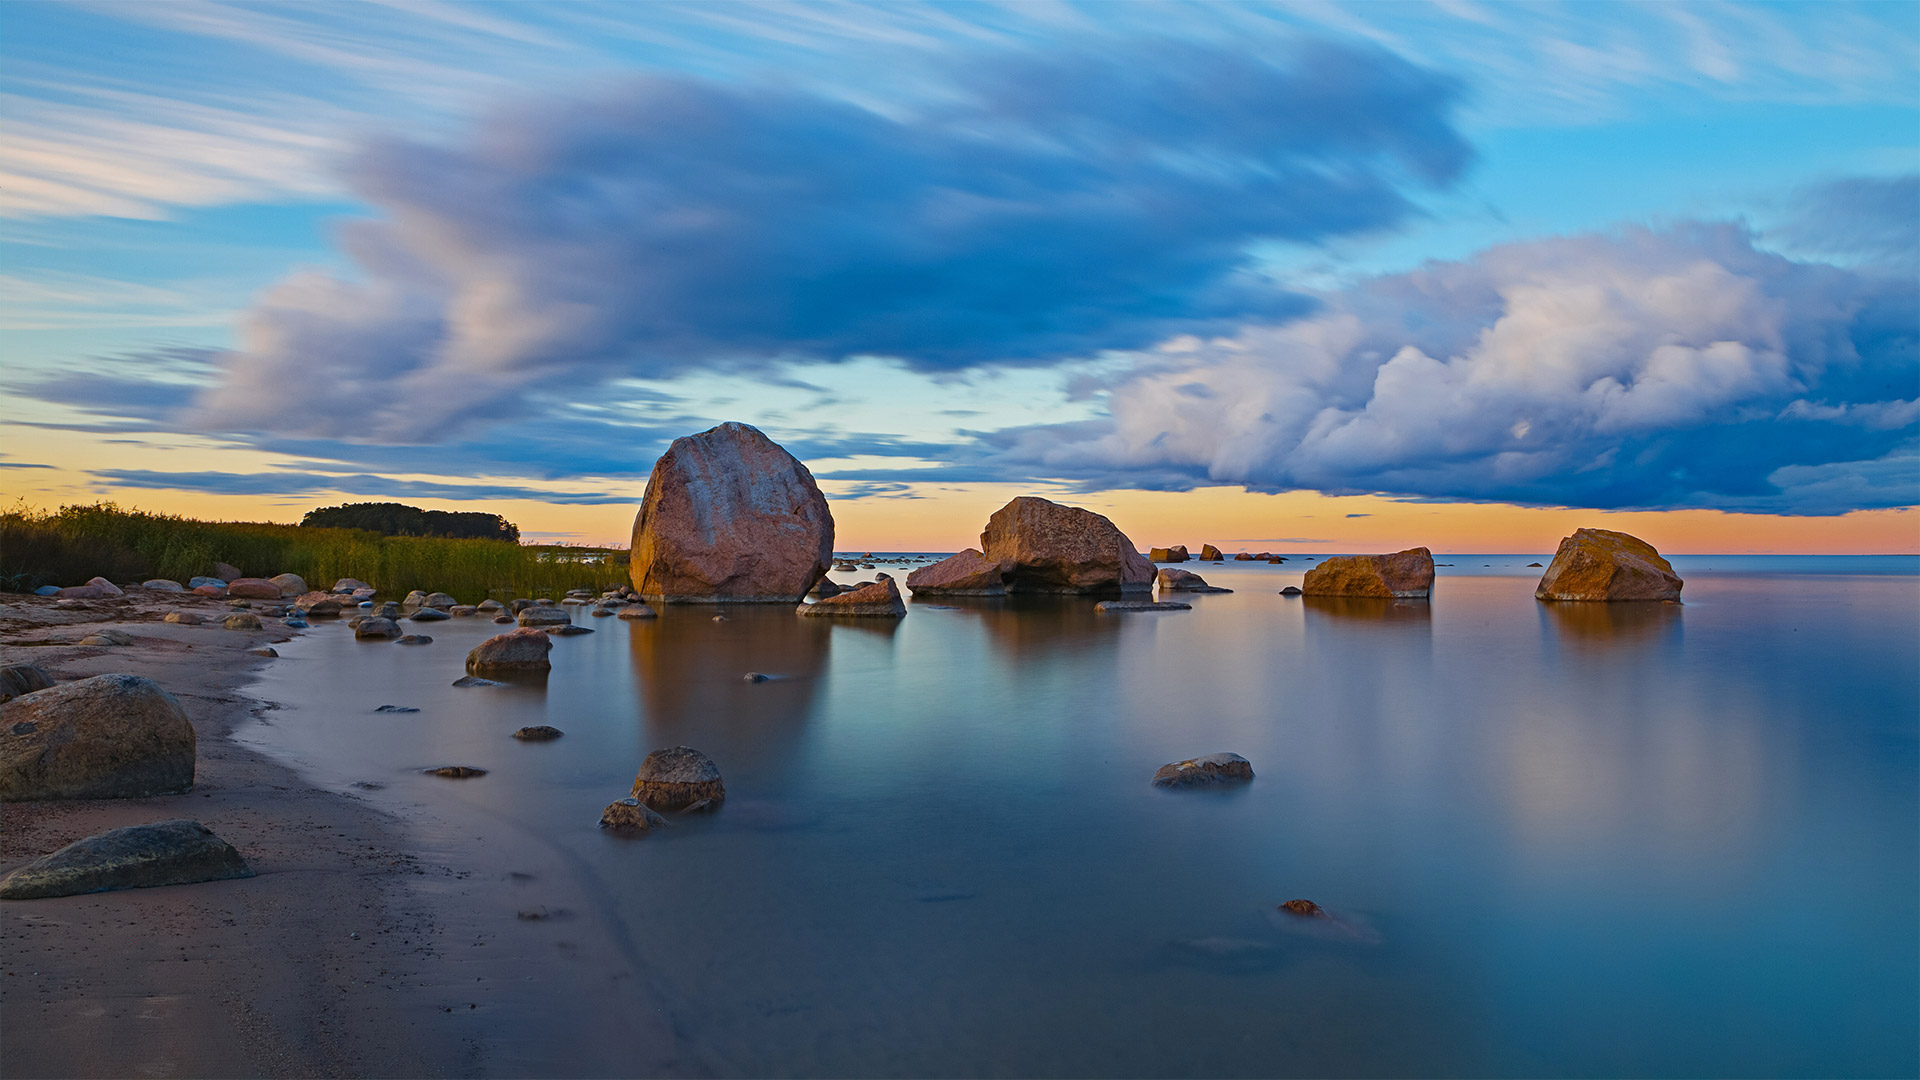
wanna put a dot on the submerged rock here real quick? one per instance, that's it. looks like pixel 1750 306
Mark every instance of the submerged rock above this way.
pixel 1044 547
pixel 878 600
pixel 630 816
pixel 1600 564
pixel 19 679
pixel 537 615
pixel 376 627
pixel 455 772
pixel 475 680
pixel 676 778
pixel 970 573
pixel 1118 606
pixel 1404 574
pixel 427 614
pixel 1172 580
pixel 520 650
pixel 177 852
pixel 568 630
pixel 108 737
pixel 638 611
pixel 729 516
pixel 1210 771
pixel 1305 909
pixel 413 639
pixel 537 733
pixel 503 620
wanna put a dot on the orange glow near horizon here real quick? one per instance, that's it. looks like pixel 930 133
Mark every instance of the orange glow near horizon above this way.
pixel 950 517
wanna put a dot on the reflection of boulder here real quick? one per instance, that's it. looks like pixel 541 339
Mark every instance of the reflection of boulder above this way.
pixel 1372 608
pixel 1403 574
pixel 1603 624
pixel 730 516
pixel 1600 564
pixel 689 666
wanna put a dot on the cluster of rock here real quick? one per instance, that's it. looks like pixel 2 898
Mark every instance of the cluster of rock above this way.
pixel 1033 545
pixel 876 599
pixel 676 780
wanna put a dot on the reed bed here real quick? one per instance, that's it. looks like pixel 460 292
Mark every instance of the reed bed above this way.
pixel 69 545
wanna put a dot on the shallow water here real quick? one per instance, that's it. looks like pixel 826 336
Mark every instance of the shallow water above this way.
pixel 1557 839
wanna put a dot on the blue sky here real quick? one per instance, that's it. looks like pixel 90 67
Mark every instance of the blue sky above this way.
pixel 1598 255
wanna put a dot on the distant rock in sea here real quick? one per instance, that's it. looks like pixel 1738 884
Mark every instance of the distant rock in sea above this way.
pixel 1172 580
pixel 1118 606
pixel 1209 553
pixel 1214 770
pixel 1600 564
pixel 730 516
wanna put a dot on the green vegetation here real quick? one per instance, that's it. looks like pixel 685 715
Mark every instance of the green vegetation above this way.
pixel 398 519
pixel 74 543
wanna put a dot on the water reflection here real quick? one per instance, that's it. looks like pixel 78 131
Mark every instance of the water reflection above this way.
pixel 1591 623
pixel 1375 609
pixel 1037 627
pixel 694 674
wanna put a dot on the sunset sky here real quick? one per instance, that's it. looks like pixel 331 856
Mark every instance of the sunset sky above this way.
pixel 1301 276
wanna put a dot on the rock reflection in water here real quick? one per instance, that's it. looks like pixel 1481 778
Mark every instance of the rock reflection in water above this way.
pixel 1594 623
pixel 1376 609
pixel 692 673
pixel 1036 627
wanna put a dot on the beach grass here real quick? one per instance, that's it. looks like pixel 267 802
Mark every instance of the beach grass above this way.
pixel 69 545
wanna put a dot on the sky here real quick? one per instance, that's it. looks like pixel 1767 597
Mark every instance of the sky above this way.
pixel 1305 276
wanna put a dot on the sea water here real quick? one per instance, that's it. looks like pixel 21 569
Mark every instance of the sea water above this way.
pixel 1554 839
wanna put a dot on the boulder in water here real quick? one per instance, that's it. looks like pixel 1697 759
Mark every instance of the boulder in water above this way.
pixel 1172 580
pixel 1600 564
pixel 1291 590
pixel 351 585
pixel 969 573
pixel 1044 547
pixel 539 615
pixel 376 627
pixel 1209 553
pixel 177 852
pixel 538 733
pixel 881 599
pixel 676 778
pixel 729 516
pixel 638 611
pixel 427 614
pixel 630 815
pixel 489 605
pixel 1403 574
pixel 520 650
pixel 1177 553
pixel 439 600
pixel 108 737
pixel 1214 770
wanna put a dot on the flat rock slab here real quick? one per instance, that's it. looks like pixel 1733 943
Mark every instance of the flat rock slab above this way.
pixel 177 852
pixel 1214 770
pixel 1141 605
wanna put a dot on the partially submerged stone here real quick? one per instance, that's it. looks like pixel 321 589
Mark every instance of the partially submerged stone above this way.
pixel 1600 564
pixel 1209 553
pixel 475 680
pixel 638 611
pixel 439 600
pixel 538 733
pixel 1404 574
pixel 1291 590
pixel 489 605
pixel 177 852
pixel 630 816
pixel 427 614
pixel 1171 580
pixel 520 650
pixel 1211 771
pixel 676 778
pixel 729 516
pixel 1044 547
pixel 375 627
pixel 351 585
pixel 456 772
pixel 970 573
pixel 568 630
pixel 19 679
pixel 413 639
pixel 1305 909
pixel 317 604
pixel 538 615
pixel 881 599
pixel 1121 606
pixel 1177 553
pixel 108 737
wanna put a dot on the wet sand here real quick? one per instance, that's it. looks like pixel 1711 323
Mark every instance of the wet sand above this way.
pixel 351 953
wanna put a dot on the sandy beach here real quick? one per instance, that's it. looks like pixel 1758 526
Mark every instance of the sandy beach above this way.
pixel 347 955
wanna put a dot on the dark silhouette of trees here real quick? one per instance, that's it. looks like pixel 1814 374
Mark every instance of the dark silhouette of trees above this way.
pixel 396 519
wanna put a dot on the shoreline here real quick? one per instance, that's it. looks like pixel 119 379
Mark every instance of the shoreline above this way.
pixel 350 953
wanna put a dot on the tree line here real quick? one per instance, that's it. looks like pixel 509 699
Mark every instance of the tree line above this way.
pixel 397 519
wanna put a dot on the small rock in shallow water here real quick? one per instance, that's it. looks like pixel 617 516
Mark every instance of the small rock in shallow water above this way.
pixel 1305 909
pixel 427 614
pixel 376 628
pixel 396 708
pixel 755 676
pixel 1141 605
pixel 296 624
pixel 638 611
pixel 1210 771
pixel 719 618
pixel 475 680
pixel 456 772
pixel 630 816
pixel 1291 590
pixel 503 620
pixel 537 733
pixel 413 639
pixel 568 631
pixel 267 651
pixel 677 777
pixel 177 852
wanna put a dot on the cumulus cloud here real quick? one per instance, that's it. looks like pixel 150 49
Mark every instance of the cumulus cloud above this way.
pixel 1051 205
pixel 1669 368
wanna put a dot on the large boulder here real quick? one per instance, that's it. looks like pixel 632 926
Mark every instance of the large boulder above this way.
pixel 18 679
pixel 290 584
pixel 729 516
pixel 677 778
pixel 1600 564
pixel 879 599
pixel 969 573
pixel 1209 553
pixel 253 588
pixel 1044 547
pixel 177 852
pixel 108 737
pixel 518 650
pixel 1172 580
pixel 1403 574
pixel 376 626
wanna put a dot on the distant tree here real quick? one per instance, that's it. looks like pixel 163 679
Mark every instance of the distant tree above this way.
pixel 397 519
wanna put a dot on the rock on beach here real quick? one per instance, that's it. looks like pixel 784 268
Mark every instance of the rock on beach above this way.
pixel 108 737
pixel 1600 564
pixel 19 679
pixel 177 852
pixel 730 516
pixel 1404 574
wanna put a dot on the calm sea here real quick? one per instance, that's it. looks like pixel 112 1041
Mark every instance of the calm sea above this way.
pixel 1595 840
